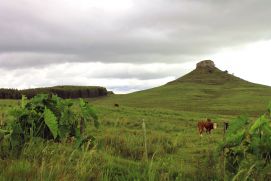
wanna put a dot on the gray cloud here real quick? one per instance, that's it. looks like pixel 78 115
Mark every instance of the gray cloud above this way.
pixel 45 32
pixel 115 78
pixel 117 70
pixel 122 44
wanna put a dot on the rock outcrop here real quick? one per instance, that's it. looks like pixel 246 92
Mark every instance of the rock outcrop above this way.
pixel 206 63
pixel 206 66
pixel 207 73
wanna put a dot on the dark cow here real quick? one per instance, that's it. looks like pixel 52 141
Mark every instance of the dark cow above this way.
pixel 206 126
pixel 116 105
pixel 226 125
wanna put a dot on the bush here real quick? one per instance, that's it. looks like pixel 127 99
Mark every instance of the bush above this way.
pixel 50 118
pixel 248 148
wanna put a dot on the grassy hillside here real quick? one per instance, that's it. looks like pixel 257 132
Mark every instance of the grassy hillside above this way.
pixel 202 91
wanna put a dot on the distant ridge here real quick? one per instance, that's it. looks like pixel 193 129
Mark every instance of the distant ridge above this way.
pixel 65 91
pixel 207 73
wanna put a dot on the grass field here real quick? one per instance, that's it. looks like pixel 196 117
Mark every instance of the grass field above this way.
pixel 174 150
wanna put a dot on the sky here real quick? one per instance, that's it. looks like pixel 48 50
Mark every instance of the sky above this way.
pixel 130 45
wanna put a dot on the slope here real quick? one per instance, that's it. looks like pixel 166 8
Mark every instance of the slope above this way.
pixel 205 89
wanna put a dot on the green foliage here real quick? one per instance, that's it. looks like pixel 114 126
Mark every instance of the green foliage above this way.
pixel 48 117
pixel 236 132
pixel 2 135
pixel 51 122
pixel 269 109
pixel 23 101
pixel 88 112
pixel 248 148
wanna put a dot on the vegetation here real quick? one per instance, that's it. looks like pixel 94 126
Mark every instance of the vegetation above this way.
pixel 248 148
pixel 151 135
pixel 48 117
pixel 67 92
pixel 175 150
pixel 10 94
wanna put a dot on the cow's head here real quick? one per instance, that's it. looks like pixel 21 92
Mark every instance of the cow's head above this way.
pixel 215 125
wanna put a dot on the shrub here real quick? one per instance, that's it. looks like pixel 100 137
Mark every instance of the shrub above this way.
pixel 50 118
pixel 248 148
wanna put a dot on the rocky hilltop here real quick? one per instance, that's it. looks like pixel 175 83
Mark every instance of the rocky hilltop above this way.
pixel 207 73
pixel 206 64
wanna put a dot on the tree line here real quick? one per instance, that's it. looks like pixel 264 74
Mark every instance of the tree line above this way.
pixel 65 92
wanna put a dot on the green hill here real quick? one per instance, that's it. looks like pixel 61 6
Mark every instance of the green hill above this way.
pixel 205 89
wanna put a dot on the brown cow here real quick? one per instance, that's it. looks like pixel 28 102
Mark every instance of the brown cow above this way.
pixel 206 126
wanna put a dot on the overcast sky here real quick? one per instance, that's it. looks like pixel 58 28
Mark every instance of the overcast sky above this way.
pixel 130 45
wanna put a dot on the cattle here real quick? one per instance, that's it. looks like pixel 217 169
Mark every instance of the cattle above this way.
pixel 116 105
pixel 226 125
pixel 206 126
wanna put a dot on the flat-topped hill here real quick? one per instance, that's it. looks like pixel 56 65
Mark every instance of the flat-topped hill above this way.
pixel 205 89
pixel 207 73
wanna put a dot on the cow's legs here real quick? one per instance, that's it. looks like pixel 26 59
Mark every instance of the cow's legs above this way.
pixel 200 130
